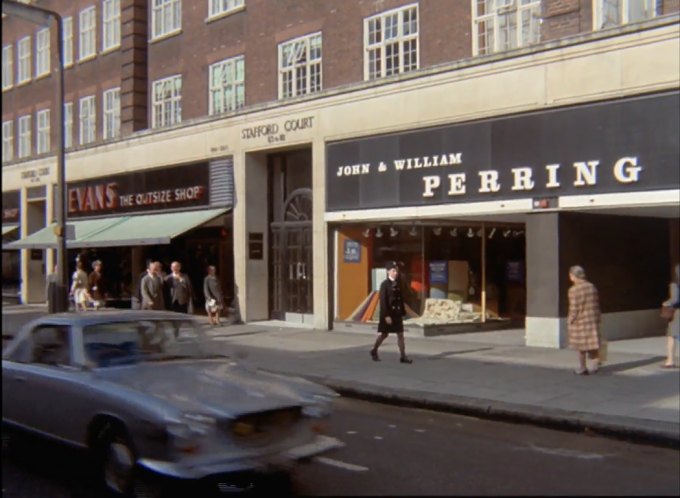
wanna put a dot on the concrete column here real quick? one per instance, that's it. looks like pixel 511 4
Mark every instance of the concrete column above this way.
pixel 320 237
pixel 544 326
pixel 250 215
pixel 24 253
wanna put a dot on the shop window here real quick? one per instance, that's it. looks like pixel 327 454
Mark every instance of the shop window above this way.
pixel 451 273
pixel 67 41
pixel 42 52
pixel 227 85
pixel 88 31
pixel 167 101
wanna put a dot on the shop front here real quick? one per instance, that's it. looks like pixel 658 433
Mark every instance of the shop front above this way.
pixel 486 217
pixel 179 213
pixel 11 262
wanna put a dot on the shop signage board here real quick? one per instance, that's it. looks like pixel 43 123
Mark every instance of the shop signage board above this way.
pixel 152 190
pixel 352 251
pixel 255 245
pixel 610 147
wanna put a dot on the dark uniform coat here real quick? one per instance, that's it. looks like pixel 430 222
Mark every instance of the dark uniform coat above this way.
pixel 584 317
pixel 392 305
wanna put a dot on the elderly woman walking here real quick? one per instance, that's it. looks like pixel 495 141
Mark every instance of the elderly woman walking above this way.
pixel 673 329
pixel 583 321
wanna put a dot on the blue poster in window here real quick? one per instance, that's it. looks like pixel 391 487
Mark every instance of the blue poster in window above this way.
pixel 352 251
pixel 514 271
pixel 439 272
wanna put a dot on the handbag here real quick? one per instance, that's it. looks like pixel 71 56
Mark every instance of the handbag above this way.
pixel 667 313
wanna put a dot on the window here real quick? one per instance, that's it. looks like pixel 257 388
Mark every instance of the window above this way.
pixel 24 136
pixel 24 55
pixel 111 113
pixel 609 13
pixel 300 66
pixel 391 41
pixel 42 52
pixel 111 23
pixel 87 115
pixel 7 66
pixel 504 24
pixel 43 134
pixel 7 141
pixel 88 27
pixel 51 345
pixel 227 89
pixel 166 17
pixel 68 124
pixel 167 101
pixel 218 7
pixel 68 41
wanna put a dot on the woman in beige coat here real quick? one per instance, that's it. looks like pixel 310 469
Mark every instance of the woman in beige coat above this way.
pixel 673 330
pixel 583 321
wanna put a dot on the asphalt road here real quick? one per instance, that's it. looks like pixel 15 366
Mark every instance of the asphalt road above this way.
pixel 397 451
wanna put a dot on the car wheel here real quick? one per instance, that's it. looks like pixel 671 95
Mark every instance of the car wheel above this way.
pixel 116 459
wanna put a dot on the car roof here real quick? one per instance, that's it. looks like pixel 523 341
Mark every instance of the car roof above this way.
pixel 94 317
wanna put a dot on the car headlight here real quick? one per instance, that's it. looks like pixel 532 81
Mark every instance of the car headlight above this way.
pixel 188 434
pixel 318 406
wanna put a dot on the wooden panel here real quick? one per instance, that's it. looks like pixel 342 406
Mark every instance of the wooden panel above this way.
pixel 353 277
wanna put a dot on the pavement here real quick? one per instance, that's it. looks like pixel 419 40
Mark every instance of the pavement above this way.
pixel 485 374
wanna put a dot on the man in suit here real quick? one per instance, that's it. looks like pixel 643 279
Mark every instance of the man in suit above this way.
pixel 152 288
pixel 392 313
pixel 180 292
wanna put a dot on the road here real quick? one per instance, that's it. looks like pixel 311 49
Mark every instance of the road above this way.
pixel 399 451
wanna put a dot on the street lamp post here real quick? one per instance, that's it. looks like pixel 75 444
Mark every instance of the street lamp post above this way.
pixel 41 16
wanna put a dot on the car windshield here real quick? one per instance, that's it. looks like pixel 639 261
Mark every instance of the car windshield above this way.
pixel 124 343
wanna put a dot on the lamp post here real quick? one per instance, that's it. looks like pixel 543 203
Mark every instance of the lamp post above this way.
pixel 41 16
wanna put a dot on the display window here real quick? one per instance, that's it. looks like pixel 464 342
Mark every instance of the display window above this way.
pixel 451 272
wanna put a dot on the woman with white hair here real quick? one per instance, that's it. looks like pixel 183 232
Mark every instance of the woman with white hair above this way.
pixel 583 321
pixel 673 330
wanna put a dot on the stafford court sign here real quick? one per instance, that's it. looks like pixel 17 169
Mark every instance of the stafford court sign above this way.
pixel 612 147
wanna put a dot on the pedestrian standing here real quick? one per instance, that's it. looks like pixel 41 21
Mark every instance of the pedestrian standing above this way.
pixel 152 288
pixel 96 282
pixel 392 313
pixel 214 298
pixel 79 287
pixel 583 321
pixel 180 293
pixel 673 329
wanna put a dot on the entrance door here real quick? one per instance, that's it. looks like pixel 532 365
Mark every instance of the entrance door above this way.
pixel 291 259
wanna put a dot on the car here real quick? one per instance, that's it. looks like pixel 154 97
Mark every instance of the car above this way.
pixel 146 394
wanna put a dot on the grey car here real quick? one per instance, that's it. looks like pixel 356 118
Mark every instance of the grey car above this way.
pixel 144 390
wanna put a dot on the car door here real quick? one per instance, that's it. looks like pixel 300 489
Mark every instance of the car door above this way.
pixel 42 382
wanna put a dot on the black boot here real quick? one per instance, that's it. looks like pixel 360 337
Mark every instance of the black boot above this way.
pixel 374 355
pixel 405 359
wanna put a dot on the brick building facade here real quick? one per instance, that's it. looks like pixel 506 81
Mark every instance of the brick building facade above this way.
pixel 269 86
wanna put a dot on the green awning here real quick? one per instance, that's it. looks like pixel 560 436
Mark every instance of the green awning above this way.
pixel 8 229
pixel 46 238
pixel 148 229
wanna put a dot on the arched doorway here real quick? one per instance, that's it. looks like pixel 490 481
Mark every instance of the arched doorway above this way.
pixel 291 258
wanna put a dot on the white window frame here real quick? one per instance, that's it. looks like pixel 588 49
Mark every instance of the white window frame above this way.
pixel 87 120
pixel 68 125
pixel 526 20
pixel 24 60
pixel 42 52
pixel 87 33
pixel 377 49
pixel 167 110
pixel 166 18
pixel 110 24
pixel 24 136
pixel 217 8
pixel 300 68
pixel 7 66
pixel 7 141
pixel 602 14
pixel 67 40
pixel 226 85
pixel 111 113
pixel 42 134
